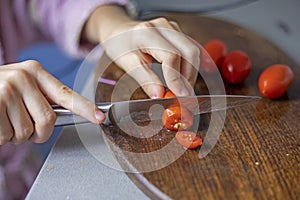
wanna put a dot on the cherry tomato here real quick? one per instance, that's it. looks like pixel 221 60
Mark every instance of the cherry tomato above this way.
pixel 217 50
pixel 188 139
pixel 176 118
pixel 169 94
pixel 236 67
pixel 275 80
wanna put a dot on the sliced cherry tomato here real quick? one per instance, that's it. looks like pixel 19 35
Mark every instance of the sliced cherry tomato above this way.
pixel 169 94
pixel 275 80
pixel 177 118
pixel 236 67
pixel 188 139
pixel 217 50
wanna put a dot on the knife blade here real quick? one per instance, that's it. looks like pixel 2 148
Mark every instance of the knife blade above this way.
pixel 152 109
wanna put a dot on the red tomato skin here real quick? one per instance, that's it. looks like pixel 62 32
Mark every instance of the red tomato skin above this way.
pixel 274 81
pixel 177 118
pixel 217 50
pixel 236 67
pixel 169 94
pixel 188 139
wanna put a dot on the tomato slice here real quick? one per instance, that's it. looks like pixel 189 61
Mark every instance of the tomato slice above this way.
pixel 177 118
pixel 169 94
pixel 188 139
pixel 236 67
pixel 216 49
pixel 275 80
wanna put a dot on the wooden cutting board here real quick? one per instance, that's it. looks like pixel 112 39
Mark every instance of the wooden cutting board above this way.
pixel 257 155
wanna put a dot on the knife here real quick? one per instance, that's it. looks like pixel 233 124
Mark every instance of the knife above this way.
pixel 152 109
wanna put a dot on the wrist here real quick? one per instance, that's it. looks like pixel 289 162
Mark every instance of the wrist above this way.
pixel 104 22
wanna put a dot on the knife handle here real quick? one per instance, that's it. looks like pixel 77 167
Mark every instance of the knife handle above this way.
pixel 66 117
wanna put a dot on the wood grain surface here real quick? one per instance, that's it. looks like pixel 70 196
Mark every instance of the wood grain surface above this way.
pixel 257 154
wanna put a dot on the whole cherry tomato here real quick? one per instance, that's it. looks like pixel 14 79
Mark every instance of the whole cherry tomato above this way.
pixel 188 139
pixel 275 80
pixel 217 50
pixel 169 94
pixel 176 118
pixel 236 66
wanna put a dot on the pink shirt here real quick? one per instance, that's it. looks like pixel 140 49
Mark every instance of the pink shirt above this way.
pixel 23 22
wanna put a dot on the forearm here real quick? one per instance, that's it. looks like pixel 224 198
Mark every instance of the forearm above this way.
pixel 63 21
pixel 103 23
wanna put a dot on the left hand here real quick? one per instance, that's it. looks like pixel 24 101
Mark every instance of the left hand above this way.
pixel 137 42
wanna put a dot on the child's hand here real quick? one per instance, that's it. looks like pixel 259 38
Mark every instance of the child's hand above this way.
pixel 132 44
pixel 25 112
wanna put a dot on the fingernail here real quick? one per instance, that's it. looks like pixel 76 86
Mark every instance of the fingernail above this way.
pixel 154 94
pixel 99 116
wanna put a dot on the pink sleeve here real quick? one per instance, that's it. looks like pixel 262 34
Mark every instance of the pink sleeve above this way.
pixel 62 20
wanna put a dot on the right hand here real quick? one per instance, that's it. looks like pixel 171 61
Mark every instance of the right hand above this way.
pixel 25 112
pixel 132 44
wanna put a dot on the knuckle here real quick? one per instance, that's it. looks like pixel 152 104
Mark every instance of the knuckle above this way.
pixel 51 117
pixel 20 73
pixel 161 20
pixel 142 25
pixel 174 23
pixel 33 64
pixel 48 118
pixel 7 91
pixel 5 138
pixel 27 130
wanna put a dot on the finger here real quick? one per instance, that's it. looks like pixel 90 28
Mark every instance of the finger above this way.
pixel 20 120
pixel 171 70
pixel 175 26
pixel 138 68
pixel 66 97
pixel 16 123
pixel 188 49
pixel 6 130
pixel 35 105
pixel 42 114
pixel 189 73
pixel 165 53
